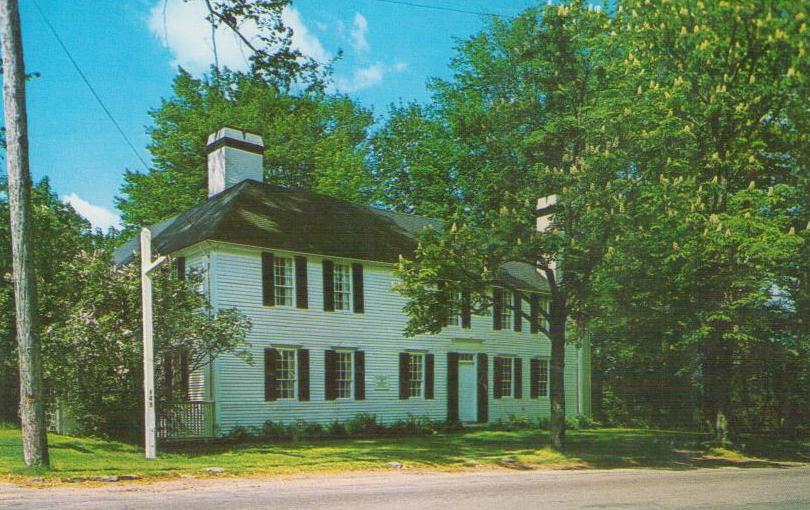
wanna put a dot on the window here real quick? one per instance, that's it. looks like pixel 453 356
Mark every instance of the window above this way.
pixel 454 316
pixel 526 307
pixel 508 305
pixel 507 370
pixel 283 281
pixel 286 373
pixel 542 377
pixel 545 305
pixel 416 375
pixel 343 287
pixel 344 370
pixel 482 307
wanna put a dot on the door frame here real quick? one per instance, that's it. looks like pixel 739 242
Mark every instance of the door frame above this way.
pixel 474 363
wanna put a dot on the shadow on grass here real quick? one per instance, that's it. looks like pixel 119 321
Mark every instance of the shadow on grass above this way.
pixel 602 449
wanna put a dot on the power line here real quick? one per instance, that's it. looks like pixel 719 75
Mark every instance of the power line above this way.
pixel 89 86
pixel 441 8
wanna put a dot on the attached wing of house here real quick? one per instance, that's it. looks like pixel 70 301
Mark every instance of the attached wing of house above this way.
pixel 315 275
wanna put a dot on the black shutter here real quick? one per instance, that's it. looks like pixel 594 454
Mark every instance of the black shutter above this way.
pixel 497 377
pixel 535 312
pixel 180 267
pixel 303 374
pixel 270 374
pixel 452 387
pixel 517 299
pixel 301 288
pixel 330 375
pixel 268 292
pixel 429 376
pixel 359 375
pixel 497 308
pixel 466 313
pixel 404 375
pixel 483 388
pixel 518 391
pixel 534 378
pixel 328 286
pixel 357 288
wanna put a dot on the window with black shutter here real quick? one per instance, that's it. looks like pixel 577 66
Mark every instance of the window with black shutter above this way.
pixel 534 370
pixel 518 309
pixel 518 391
pixel 497 308
pixel 535 313
pixel 466 312
pixel 483 388
pixel 301 284
pixel 330 375
pixel 429 376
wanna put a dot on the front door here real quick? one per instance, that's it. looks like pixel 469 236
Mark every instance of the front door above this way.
pixel 467 389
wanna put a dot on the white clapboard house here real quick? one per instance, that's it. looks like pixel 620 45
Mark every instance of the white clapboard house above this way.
pixel 315 275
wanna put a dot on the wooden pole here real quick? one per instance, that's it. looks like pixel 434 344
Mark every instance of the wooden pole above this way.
pixel 32 409
pixel 150 439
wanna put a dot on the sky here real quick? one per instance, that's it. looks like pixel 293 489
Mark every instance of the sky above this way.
pixel 129 51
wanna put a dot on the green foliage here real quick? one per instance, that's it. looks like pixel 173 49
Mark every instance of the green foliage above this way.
pixel 312 140
pixel 93 358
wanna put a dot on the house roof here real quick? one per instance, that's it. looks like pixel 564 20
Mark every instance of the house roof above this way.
pixel 266 216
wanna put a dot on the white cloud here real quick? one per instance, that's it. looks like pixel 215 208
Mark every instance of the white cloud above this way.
pixel 97 215
pixel 367 77
pixel 357 37
pixel 182 28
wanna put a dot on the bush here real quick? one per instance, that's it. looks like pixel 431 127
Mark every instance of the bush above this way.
pixel 364 425
pixel 414 425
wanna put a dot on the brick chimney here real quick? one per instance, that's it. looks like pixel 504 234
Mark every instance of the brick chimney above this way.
pixel 233 156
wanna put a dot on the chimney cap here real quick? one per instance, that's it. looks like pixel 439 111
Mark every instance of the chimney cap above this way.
pixel 235 138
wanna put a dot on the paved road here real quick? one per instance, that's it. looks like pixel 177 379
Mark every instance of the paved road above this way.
pixel 724 488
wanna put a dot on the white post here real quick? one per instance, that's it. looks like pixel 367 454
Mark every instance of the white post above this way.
pixel 150 440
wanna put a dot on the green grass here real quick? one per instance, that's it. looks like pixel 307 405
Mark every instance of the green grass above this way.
pixel 602 448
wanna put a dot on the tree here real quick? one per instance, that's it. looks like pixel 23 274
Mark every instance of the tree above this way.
pixel 312 141
pixel 93 358
pixel 714 94
pixel 525 107
pixel 32 412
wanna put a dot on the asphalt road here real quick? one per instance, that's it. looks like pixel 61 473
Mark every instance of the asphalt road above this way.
pixel 722 488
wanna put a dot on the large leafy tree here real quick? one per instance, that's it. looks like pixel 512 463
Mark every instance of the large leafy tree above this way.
pixel 312 141
pixel 714 92
pixel 526 110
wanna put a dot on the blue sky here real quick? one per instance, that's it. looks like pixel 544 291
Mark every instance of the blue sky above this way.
pixel 130 55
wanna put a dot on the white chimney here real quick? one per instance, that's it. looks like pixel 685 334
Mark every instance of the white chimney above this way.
pixel 233 156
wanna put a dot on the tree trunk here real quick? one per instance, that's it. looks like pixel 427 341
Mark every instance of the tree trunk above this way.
pixel 557 322
pixel 32 412
pixel 717 373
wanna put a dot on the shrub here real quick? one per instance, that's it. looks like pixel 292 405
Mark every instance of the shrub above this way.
pixel 413 425
pixel 363 424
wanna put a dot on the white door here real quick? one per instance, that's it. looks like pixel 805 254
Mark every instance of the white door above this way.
pixel 467 390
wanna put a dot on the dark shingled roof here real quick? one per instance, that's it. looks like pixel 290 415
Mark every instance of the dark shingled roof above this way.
pixel 255 214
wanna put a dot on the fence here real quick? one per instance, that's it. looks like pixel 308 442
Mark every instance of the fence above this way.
pixel 186 420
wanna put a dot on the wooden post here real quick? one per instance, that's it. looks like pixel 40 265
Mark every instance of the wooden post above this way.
pixel 32 409
pixel 150 430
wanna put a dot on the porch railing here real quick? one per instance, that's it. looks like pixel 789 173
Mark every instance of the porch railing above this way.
pixel 186 420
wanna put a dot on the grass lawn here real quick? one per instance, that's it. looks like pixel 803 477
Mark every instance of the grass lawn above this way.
pixel 472 449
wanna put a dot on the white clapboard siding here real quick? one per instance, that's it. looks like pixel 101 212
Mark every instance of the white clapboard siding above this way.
pixel 238 387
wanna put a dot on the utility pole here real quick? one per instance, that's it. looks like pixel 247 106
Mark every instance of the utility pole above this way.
pixel 32 408
pixel 150 421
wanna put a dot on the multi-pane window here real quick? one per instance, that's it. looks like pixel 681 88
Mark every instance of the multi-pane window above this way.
pixel 344 372
pixel 545 305
pixel 543 377
pixel 416 374
pixel 454 317
pixel 283 280
pixel 343 287
pixel 526 306
pixel 286 373
pixel 507 376
pixel 506 313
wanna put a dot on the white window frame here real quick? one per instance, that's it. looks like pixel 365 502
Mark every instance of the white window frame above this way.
pixel 278 264
pixel 511 384
pixel 545 305
pixel 544 362
pixel 454 316
pixel 507 313
pixel 338 380
pixel 526 310
pixel 294 381
pixel 343 295
pixel 420 369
